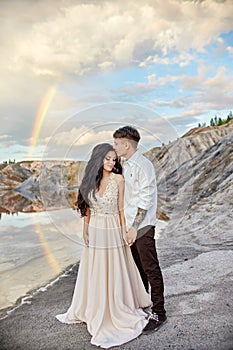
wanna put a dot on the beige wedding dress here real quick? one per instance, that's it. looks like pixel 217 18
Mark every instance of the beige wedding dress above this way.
pixel 109 293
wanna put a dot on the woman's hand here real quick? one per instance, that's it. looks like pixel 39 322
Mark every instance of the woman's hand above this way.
pixel 86 238
pixel 131 236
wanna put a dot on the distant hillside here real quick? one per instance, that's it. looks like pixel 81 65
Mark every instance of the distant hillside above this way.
pixel 170 157
pixel 190 169
pixel 221 129
pixel 199 198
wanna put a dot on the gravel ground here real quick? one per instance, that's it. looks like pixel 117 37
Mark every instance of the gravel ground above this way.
pixel 198 290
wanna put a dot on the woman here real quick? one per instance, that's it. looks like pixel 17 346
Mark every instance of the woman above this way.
pixel 109 293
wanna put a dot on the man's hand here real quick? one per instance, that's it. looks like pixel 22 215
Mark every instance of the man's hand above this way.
pixel 131 235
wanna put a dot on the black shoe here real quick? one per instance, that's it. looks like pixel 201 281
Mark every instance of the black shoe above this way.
pixel 155 322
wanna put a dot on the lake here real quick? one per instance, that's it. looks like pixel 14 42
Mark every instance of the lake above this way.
pixel 35 248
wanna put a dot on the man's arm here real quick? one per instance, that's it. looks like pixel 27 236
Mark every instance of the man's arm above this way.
pixel 147 186
pixel 132 233
pixel 141 213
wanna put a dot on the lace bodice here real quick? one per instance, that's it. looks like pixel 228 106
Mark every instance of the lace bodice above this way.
pixel 108 203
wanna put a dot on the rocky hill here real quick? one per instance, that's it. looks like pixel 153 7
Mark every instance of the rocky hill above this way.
pixel 194 167
pixel 193 161
pixel 198 196
pixel 37 186
pixel 170 157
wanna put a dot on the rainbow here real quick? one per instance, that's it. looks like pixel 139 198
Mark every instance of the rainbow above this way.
pixel 46 249
pixel 43 109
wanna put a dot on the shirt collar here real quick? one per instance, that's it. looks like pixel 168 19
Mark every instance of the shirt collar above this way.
pixel 133 158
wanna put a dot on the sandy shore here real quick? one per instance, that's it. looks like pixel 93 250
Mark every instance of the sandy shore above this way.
pixel 198 302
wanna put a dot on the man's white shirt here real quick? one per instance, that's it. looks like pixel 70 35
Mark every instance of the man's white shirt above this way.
pixel 140 189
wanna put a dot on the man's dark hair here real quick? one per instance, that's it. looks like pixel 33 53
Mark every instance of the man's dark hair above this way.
pixel 127 132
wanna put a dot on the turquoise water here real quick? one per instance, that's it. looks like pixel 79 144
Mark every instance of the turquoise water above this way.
pixel 35 248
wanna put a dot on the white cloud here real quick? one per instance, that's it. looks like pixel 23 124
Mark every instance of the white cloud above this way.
pixel 176 103
pixel 78 137
pixel 230 50
pixel 152 83
pixel 54 42
pixel 190 82
pixel 74 144
pixel 7 144
pixel 210 92
pixel 74 38
pixel 5 137
pixel 221 81
pixel 182 59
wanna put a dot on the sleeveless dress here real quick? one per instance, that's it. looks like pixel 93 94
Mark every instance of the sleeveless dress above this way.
pixel 109 292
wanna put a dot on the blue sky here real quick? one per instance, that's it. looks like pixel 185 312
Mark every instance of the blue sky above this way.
pixel 160 66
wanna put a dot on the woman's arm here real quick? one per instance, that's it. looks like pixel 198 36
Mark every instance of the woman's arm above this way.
pixel 86 226
pixel 121 187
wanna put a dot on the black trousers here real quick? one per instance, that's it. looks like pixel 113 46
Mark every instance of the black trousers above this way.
pixel 146 259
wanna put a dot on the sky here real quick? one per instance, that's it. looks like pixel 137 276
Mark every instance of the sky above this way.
pixel 74 71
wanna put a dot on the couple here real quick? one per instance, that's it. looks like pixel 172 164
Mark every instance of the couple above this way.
pixel 119 221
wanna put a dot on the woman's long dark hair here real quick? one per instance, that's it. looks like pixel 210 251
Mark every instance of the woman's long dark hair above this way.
pixel 93 175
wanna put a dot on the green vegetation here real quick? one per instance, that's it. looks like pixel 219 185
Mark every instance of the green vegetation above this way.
pixel 203 124
pixel 216 121
pixel 9 162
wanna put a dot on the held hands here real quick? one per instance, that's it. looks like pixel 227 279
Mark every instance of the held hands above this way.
pixel 131 236
pixel 86 238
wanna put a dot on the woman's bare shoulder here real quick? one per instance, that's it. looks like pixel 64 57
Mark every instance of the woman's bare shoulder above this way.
pixel 119 178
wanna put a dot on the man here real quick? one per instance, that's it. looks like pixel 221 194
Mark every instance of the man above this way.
pixel 140 211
